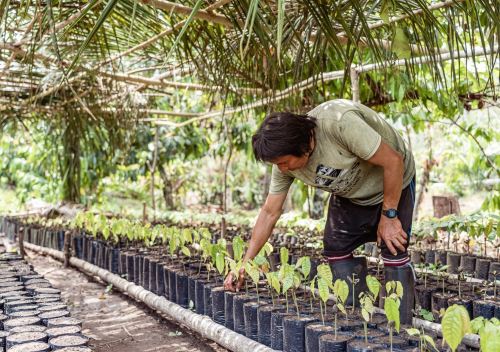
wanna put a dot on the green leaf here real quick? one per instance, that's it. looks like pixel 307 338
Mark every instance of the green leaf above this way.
pixel 238 248
pixel 253 272
pixel 287 283
pixel 477 324
pixel 312 287
pixel 341 307
pixel 341 290
pixel 185 250
pixel 385 10
pixel 391 308
pixel 373 285
pixel 455 324
pixel 325 272
pixel 413 331
pixel 275 283
pixel 304 263
pixel 187 235
pixel 399 289
pixel 490 338
pixel 430 340
pixel 219 262
pixel 424 313
pixel 102 18
pixel 284 255
pixel 188 21
pixel 365 314
pixel 323 290
pixel 266 250
pixel 400 44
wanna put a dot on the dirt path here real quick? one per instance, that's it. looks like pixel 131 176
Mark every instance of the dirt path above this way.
pixel 114 322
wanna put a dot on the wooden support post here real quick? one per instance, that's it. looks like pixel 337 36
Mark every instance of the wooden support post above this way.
pixel 67 248
pixel 355 84
pixel 20 237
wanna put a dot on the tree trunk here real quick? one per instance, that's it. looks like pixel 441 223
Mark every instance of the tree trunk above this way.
pixel 318 204
pixel 71 166
pixel 424 180
pixel 167 188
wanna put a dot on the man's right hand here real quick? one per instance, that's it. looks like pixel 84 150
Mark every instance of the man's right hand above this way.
pixel 231 285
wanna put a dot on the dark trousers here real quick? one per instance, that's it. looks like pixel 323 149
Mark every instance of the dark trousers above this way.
pixel 350 225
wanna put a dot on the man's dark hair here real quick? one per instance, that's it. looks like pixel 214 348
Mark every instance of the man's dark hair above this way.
pixel 283 133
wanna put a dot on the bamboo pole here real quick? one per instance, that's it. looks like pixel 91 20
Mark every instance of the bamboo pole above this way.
pixel 326 77
pixel 179 85
pixel 186 10
pixel 202 324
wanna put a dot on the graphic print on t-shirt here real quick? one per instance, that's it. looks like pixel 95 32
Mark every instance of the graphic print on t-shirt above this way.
pixel 337 180
pixel 325 175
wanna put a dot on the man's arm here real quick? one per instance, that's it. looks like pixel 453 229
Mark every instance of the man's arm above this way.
pixel 266 220
pixel 390 230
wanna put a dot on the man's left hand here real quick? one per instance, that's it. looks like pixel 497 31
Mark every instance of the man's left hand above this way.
pixel 391 232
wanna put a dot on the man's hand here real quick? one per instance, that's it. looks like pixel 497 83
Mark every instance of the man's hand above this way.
pixel 229 283
pixel 391 232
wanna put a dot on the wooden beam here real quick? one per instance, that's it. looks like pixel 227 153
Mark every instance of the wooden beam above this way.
pixel 160 35
pixel 185 10
pixel 161 83
pixel 326 77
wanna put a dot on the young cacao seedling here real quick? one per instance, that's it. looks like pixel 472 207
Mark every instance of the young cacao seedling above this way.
pixel 489 333
pixel 367 300
pixel 426 342
pixel 455 324
pixel 394 293
pixel 340 291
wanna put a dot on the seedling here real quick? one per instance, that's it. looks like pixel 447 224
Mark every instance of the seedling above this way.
pixel 289 277
pixel 394 292
pixel 442 275
pixel 354 281
pixel 486 286
pixel 455 324
pixel 489 333
pixel 324 280
pixel 425 340
pixel 367 300
pixel 341 291
pixel 259 265
pixel 461 277
pixel 495 274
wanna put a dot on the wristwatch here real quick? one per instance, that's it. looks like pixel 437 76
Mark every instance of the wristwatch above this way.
pixel 390 213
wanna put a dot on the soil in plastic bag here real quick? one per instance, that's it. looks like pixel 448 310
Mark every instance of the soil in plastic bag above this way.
pixel 250 313
pixel 277 329
pixel 218 313
pixel 264 322
pixel 328 343
pixel 482 268
pixel 238 314
pixel 482 308
pixel 294 339
pixel 181 289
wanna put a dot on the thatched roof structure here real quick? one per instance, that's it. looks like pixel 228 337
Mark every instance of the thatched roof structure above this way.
pixel 113 58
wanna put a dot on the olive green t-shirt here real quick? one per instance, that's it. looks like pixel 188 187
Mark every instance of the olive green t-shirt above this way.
pixel 347 135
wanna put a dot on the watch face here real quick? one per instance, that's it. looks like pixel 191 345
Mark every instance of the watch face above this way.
pixel 391 213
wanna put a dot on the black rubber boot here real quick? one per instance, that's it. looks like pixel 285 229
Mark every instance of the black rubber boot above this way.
pixel 344 269
pixel 406 276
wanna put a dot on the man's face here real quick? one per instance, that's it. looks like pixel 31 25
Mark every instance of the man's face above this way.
pixel 290 163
